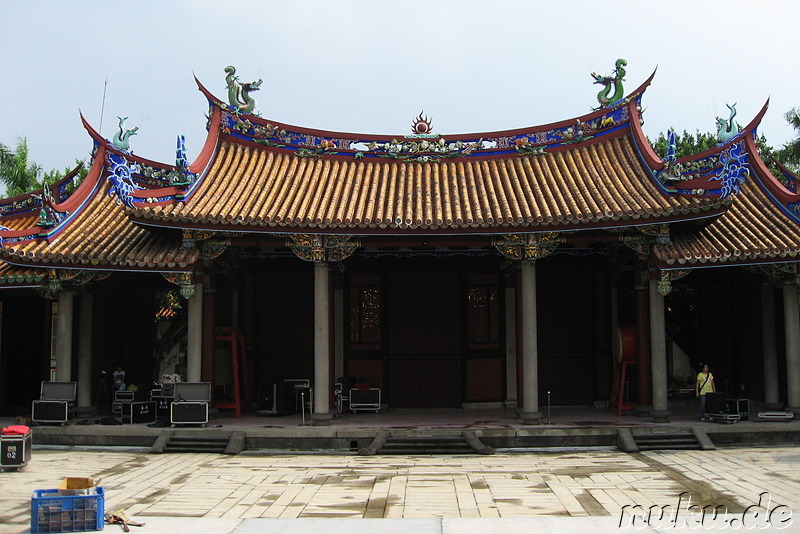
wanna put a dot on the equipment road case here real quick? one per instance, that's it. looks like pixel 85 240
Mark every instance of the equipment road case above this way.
pixel 47 411
pixel 192 391
pixel 365 400
pixel 188 413
pixel 124 395
pixel 135 412
pixel 55 402
pixel 15 448
pixel 162 406
pixel 738 406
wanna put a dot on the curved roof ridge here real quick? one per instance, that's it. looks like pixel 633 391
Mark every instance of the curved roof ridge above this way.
pixel 702 173
pixel 586 117
pixel 129 155
pixel 249 129
pixel 51 216
pixel 15 207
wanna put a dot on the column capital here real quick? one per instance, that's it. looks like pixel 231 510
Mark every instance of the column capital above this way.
pixel 527 248
pixel 183 280
pixel 322 248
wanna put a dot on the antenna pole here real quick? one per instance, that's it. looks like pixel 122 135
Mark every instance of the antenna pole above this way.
pixel 103 106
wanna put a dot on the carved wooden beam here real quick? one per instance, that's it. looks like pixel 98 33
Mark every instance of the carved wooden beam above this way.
pixel 322 247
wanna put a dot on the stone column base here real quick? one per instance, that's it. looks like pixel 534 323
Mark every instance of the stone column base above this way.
pixel 660 416
pixel 86 411
pixel 530 418
pixel 794 409
pixel 322 419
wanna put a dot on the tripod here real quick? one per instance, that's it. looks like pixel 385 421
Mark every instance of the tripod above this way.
pixel 102 390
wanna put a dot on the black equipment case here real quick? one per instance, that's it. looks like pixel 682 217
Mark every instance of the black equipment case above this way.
pixel 188 413
pixel 190 406
pixel 55 403
pixel 135 412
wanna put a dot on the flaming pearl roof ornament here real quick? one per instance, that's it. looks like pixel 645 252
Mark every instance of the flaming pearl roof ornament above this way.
pixel 421 127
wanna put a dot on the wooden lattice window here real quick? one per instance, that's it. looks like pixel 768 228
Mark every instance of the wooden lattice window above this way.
pixel 483 311
pixel 365 312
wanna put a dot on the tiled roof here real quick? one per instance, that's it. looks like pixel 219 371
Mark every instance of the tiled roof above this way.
pixel 19 276
pixel 761 225
pixel 752 229
pixel 255 189
pixel 101 236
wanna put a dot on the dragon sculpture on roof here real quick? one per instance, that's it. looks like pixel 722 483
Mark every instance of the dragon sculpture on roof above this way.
pixel 239 92
pixel 611 82
pixel 727 129
pixel 121 139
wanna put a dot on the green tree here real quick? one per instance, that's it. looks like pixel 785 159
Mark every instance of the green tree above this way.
pixel 686 144
pixel 789 155
pixel 17 173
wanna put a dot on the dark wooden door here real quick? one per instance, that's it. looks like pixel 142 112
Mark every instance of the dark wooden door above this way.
pixel 424 340
pixel 418 383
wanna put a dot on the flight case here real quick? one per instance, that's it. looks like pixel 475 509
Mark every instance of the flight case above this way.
pixel 55 403
pixel 135 412
pixel 190 406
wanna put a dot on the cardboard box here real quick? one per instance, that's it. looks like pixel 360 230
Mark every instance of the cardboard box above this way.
pixel 77 486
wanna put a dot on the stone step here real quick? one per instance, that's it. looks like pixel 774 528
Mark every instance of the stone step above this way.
pixel 674 440
pixel 425 452
pixel 227 443
pixel 427 444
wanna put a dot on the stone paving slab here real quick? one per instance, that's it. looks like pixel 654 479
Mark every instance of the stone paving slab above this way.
pixel 551 491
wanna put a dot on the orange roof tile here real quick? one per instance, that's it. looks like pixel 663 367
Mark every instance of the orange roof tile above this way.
pixel 101 236
pixel 20 276
pixel 255 189
pixel 761 225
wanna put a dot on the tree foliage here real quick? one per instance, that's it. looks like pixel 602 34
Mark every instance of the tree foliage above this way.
pixel 21 175
pixel 689 144
pixel 17 173
pixel 789 155
pixel 686 144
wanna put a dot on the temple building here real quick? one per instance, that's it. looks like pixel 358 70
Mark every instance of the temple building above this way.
pixel 510 268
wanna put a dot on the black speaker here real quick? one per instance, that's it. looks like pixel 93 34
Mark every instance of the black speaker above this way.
pixel 715 402
pixel 188 413
pixel 45 411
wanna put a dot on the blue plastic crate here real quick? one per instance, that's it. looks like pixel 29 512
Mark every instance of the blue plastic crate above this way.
pixel 53 512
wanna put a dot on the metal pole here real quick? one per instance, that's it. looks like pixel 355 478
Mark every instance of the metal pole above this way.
pixel 103 106
pixel 548 406
pixel 303 406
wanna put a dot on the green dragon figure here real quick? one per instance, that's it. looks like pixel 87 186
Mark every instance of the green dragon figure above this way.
pixel 121 139
pixel 608 82
pixel 239 93
pixel 727 129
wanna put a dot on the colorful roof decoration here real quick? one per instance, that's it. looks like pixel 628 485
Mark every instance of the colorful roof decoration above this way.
pixel 283 183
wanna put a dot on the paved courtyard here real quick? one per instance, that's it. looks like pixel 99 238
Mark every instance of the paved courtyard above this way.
pixel 215 493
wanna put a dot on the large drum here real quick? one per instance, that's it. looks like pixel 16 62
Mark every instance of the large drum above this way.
pixel 624 344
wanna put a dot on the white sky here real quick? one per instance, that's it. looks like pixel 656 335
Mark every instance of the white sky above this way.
pixel 372 66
